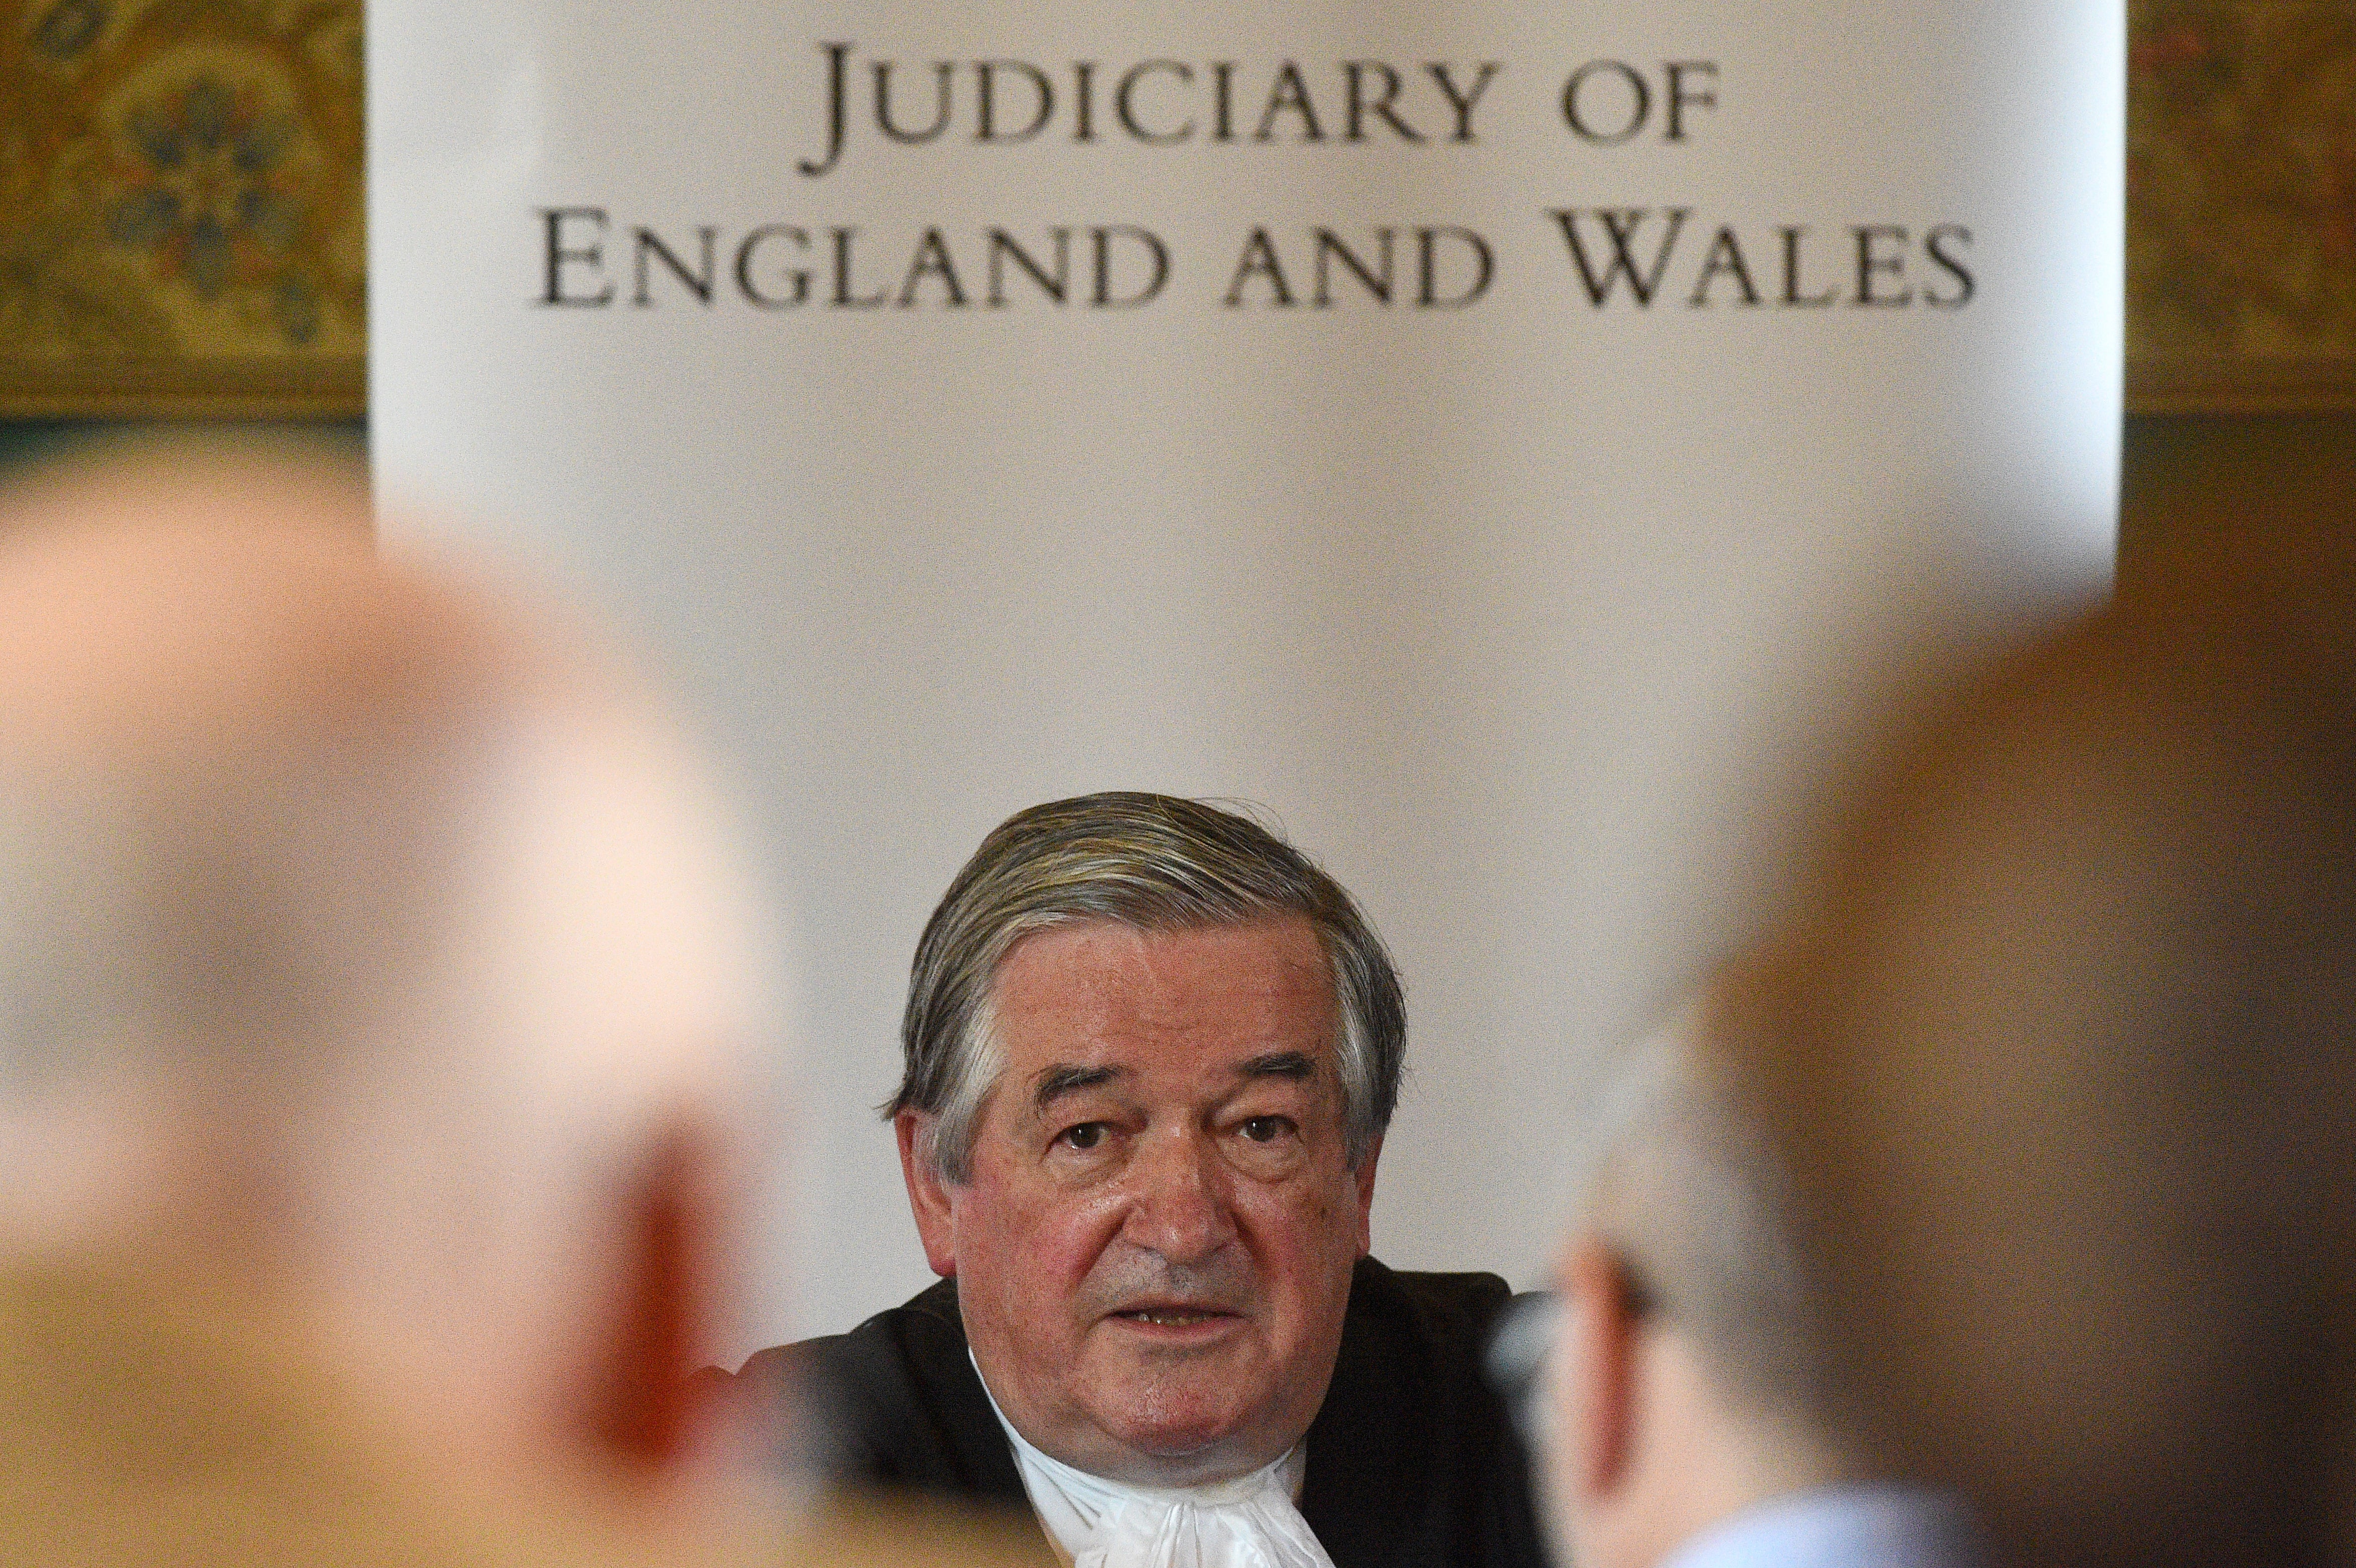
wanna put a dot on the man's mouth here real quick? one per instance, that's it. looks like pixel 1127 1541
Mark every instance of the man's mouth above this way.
pixel 1174 1316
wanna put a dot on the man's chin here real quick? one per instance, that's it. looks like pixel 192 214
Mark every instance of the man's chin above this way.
pixel 1182 1443
pixel 1180 1440
pixel 1183 1414
pixel 1166 1458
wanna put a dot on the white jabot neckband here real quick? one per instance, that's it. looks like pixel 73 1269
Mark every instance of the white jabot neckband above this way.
pixel 1248 1522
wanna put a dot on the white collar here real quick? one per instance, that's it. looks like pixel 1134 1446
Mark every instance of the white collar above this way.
pixel 1247 1522
pixel 1874 1525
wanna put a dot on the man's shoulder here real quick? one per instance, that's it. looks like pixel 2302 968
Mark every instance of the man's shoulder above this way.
pixel 924 1330
pixel 892 1405
pixel 1453 1308
pixel 1413 1458
pixel 1415 1346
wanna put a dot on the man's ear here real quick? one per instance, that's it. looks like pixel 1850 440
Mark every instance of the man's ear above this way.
pixel 929 1198
pixel 644 1409
pixel 1364 1179
pixel 1600 1408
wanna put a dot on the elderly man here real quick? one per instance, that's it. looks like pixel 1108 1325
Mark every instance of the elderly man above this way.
pixel 2065 1060
pixel 378 1004
pixel 1150 1054
pixel 1690 1416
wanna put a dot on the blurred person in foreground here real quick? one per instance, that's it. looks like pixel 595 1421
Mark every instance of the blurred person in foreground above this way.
pixel 378 1004
pixel 2066 1062
pixel 1688 1412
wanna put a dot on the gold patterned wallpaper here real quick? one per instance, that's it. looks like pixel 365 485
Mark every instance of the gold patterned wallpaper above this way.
pixel 2242 203
pixel 182 225
pixel 181 216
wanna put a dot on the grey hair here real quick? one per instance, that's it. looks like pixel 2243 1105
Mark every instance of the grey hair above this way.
pixel 1687 1186
pixel 1152 862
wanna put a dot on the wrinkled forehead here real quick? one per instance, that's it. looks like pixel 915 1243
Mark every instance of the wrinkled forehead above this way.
pixel 1186 1001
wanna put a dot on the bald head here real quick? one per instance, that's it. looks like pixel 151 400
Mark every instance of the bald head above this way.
pixel 360 930
pixel 224 726
pixel 2065 1066
pixel 205 618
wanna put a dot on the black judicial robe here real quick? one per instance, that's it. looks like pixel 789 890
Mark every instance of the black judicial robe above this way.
pixel 1413 1461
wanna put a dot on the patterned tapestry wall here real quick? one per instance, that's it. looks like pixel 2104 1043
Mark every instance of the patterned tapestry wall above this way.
pixel 181 216
pixel 2242 203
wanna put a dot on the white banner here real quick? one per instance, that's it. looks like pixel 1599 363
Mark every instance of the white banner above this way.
pixel 1502 440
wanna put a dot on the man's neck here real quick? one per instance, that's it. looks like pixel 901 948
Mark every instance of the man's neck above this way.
pixel 1702 1462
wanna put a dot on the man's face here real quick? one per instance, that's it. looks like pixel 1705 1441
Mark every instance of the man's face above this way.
pixel 1153 1252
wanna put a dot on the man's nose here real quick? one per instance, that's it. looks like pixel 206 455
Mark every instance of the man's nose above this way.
pixel 1178 1204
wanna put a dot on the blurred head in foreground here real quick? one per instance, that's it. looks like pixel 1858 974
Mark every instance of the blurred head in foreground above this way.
pixel 1690 1414
pixel 2067 1065
pixel 371 973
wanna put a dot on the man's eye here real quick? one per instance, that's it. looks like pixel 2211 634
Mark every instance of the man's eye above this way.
pixel 1266 1129
pixel 1084 1136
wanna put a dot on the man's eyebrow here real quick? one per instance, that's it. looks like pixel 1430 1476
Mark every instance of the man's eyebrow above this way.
pixel 1279 1064
pixel 1051 1083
